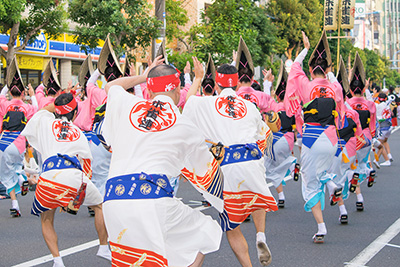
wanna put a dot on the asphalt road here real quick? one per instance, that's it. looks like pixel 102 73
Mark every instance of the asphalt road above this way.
pixel 289 230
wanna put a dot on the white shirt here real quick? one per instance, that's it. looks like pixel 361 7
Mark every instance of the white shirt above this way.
pixel 166 146
pixel 45 133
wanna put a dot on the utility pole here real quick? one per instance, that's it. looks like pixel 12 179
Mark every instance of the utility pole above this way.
pixel 160 14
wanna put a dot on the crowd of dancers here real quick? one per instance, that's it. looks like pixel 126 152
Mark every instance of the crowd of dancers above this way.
pixel 122 150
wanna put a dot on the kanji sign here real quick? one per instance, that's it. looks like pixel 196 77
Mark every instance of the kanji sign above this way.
pixel 348 13
pixel 330 14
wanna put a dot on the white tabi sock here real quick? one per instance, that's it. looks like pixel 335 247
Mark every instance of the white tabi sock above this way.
pixel 58 262
pixel 360 198
pixel 390 156
pixel 14 204
pixel 322 229
pixel 342 210
pixel 331 186
pixel 104 252
pixel 21 179
pixel 261 237
pixel 281 196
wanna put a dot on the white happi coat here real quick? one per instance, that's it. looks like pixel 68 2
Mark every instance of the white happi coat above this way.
pixel 154 138
pixel 235 122
pixel 44 133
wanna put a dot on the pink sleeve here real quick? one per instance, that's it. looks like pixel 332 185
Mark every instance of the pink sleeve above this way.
pixel 96 95
pixel 3 100
pixel 372 123
pixel 145 92
pixel 184 92
pixel 297 81
pixel 31 111
pixel 40 95
pixel 266 102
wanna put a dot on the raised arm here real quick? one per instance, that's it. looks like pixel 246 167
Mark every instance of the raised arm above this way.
pixel 199 74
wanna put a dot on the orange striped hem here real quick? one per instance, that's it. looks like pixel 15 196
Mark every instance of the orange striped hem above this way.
pixel 239 205
pixel 124 256
pixel 52 195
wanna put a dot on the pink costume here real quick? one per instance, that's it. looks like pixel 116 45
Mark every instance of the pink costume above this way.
pixel 27 109
pixel 262 100
pixel 360 103
pixel 87 108
pixel 319 141
pixel 41 98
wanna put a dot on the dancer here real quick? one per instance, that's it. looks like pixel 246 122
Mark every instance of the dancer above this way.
pixel 367 113
pixel 15 114
pixel 322 105
pixel 237 124
pixel 64 179
pixel 152 142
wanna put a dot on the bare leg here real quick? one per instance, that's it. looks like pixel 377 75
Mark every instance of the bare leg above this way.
pixel 239 246
pixel 279 188
pixel 198 261
pixel 317 212
pixel 48 231
pixel 99 224
pixel 12 194
pixel 259 220
pixel 358 190
pixel 386 145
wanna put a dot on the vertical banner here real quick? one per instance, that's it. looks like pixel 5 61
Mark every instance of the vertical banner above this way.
pixel 330 15
pixel 348 13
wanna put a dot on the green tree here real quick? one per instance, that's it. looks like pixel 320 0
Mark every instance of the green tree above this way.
pixel 225 21
pixel 290 18
pixel 129 23
pixel 176 17
pixel 47 15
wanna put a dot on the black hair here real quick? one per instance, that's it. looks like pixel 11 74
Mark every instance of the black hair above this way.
pixel 227 69
pixel 245 75
pixel 52 87
pixel 382 95
pixel 15 91
pixel 256 86
pixel 112 73
pixel 281 90
pixel 378 89
pixel 322 63
pixel 356 86
pixel 208 85
pixel 62 100
pixel 373 86
pixel 391 89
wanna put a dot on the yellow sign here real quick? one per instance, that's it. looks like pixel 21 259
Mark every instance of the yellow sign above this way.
pixel 330 14
pixel 30 62
pixel 348 13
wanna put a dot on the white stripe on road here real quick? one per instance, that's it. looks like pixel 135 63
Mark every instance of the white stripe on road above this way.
pixel 395 129
pixel 63 253
pixel 391 245
pixel 369 252
pixel 94 243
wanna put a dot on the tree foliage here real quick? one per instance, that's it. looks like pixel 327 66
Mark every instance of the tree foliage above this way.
pixel 47 15
pixel 176 17
pixel 225 21
pixel 290 18
pixel 129 23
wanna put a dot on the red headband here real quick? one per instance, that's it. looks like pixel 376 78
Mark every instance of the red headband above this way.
pixel 67 108
pixel 226 80
pixel 163 83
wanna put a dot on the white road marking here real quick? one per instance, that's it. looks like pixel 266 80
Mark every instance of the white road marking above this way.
pixel 63 253
pixel 94 243
pixel 395 129
pixel 377 245
pixel 394 246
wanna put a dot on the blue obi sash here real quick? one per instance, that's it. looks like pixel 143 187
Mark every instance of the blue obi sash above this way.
pixel 61 161
pixel 98 130
pixel 311 133
pixel 91 136
pixel 241 153
pixel 138 186
pixel 341 144
pixel 7 138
